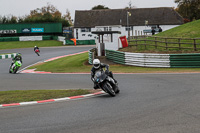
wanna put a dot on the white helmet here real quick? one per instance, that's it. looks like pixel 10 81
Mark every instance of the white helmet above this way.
pixel 35 46
pixel 96 63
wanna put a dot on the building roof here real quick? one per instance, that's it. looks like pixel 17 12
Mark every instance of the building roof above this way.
pixel 105 17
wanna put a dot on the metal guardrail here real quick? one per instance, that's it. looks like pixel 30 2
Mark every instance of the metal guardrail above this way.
pixel 115 56
pixel 185 60
pixel 5 56
pixel 92 55
pixel 147 59
pixel 154 60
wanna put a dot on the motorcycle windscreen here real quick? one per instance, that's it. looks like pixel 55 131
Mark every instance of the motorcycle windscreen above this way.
pixel 100 76
pixel 18 63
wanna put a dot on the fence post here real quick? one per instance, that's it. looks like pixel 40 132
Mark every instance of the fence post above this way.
pixel 195 47
pixel 166 43
pixel 145 43
pixel 136 42
pixel 156 42
pixel 179 43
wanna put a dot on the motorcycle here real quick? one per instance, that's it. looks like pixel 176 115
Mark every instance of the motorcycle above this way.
pixel 17 65
pixel 106 83
pixel 37 51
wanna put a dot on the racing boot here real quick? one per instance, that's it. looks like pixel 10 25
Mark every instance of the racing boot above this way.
pixel 96 86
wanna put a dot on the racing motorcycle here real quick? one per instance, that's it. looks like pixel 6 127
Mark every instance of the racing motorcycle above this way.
pixel 106 83
pixel 37 51
pixel 15 66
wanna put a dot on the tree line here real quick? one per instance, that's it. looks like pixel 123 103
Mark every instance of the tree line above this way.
pixel 188 9
pixel 45 14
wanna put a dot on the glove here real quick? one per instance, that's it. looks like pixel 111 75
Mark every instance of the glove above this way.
pixel 107 72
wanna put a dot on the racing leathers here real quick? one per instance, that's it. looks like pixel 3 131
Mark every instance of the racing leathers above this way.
pixel 102 65
pixel 16 58
pixel 35 48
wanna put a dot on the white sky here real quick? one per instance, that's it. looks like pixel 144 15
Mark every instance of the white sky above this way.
pixel 23 7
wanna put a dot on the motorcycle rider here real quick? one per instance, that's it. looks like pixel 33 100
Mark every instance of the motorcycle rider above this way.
pixel 35 48
pixel 18 57
pixel 97 65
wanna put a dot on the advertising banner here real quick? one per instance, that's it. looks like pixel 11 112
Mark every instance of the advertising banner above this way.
pixel 34 30
pixel 26 30
pixel 8 31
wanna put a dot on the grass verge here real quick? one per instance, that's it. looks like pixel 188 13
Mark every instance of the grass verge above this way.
pixel 78 64
pixel 29 44
pixel 18 96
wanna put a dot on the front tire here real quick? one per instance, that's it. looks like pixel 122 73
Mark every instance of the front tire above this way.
pixel 10 69
pixel 117 89
pixel 37 53
pixel 15 70
pixel 109 89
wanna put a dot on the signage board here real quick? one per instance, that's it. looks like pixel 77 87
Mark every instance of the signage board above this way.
pixel 8 31
pixel 26 30
pixel 34 30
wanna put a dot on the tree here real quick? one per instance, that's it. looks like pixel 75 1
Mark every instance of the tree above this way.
pixel 189 9
pixel 13 20
pixel 45 14
pixel 67 17
pixel 99 7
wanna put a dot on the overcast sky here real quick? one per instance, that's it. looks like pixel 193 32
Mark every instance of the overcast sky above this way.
pixel 23 7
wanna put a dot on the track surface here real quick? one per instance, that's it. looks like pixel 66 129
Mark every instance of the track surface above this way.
pixel 148 103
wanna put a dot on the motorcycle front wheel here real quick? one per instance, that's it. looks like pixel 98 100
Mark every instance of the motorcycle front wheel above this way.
pixel 10 69
pixel 109 89
pixel 15 70
pixel 37 53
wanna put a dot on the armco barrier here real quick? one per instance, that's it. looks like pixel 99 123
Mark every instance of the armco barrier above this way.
pixel 147 59
pixel 185 60
pixel 6 39
pixel 5 56
pixel 81 42
pixel 154 60
pixel 115 56
pixel 92 55
pixel 36 38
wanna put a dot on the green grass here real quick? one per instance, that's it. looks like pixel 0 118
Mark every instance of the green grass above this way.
pixel 18 96
pixel 67 64
pixel 188 30
pixel 28 44
pixel 78 63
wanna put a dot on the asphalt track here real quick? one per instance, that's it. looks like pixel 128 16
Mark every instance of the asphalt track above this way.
pixel 147 103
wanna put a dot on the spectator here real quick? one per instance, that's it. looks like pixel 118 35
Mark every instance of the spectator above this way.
pixel 160 29
pixel 152 30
